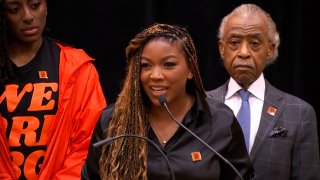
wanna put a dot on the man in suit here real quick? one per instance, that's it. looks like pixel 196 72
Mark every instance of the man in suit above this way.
pixel 283 138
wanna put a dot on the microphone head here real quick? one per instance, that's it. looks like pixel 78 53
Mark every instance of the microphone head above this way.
pixel 162 99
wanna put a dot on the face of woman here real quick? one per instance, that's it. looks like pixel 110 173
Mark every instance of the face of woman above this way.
pixel 164 71
pixel 25 19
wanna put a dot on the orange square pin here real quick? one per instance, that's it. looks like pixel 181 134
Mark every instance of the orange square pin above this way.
pixel 196 156
pixel 43 74
pixel 271 110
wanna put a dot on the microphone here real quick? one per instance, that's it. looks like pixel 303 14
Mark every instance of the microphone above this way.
pixel 163 102
pixel 108 141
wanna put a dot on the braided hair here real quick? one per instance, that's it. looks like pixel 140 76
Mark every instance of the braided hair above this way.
pixel 127 158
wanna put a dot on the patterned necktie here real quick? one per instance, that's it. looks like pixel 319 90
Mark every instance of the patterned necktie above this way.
pixel 244 116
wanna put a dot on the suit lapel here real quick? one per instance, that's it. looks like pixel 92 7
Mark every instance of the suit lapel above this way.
pixel 219 93
pixel 271 112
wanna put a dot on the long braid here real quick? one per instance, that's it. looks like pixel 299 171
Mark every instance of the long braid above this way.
pixel 126 158
pixel 191 50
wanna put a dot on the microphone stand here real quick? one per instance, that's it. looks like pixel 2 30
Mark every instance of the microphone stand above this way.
pixel 109 140
pixel 163 101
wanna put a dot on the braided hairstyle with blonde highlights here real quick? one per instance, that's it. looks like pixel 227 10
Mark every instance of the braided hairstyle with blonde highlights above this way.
pixel 127 158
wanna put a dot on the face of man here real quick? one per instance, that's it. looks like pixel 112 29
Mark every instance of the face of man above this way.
pixel 245 48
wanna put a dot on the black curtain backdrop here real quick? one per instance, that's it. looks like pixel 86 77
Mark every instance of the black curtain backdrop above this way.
pixel 103 29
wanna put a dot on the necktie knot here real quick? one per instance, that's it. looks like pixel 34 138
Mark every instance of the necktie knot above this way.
pixel 244 94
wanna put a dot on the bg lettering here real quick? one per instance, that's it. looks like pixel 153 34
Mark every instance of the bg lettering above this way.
pixel 31 165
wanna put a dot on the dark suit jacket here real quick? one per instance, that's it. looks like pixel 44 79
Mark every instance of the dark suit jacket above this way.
pixel 286 145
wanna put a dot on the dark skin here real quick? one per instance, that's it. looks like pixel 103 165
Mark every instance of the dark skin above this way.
pixel 245 48
pixel 26 20
pixel 165 72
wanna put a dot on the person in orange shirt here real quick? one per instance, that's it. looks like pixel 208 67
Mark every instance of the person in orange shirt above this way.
pixel 50 98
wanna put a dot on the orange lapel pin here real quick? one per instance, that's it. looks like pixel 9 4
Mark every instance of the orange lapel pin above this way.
pixel 196 156
pixel 271 110
pixel 43 74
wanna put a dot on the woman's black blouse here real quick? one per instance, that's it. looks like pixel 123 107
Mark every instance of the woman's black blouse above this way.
pixel 209 119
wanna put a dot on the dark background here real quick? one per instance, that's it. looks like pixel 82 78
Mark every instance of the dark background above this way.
pixel 103 29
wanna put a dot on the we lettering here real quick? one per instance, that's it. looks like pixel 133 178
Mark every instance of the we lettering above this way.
pixel 40 92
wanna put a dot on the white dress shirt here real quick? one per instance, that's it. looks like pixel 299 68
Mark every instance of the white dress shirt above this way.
pixel 256 99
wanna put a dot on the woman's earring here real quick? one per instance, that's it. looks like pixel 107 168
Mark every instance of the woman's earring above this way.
pixel 190 76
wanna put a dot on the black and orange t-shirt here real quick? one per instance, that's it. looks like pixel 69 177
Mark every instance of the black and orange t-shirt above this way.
pixel 28 105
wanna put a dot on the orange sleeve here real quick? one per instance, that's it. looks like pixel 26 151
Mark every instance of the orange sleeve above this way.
pixel 85 104
pixel 6 171
pixel 92 103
